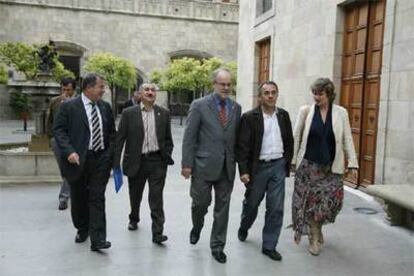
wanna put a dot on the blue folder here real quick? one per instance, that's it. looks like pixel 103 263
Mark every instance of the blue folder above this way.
pixel 117 173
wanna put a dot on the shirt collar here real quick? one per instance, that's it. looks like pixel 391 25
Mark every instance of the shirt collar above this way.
pixel 85 100
pixel 142 107
pixel 218 99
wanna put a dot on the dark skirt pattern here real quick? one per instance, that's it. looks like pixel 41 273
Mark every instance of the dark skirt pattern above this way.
pixel 318 194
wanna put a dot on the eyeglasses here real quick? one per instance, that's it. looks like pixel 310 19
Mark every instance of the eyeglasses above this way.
pixel 224 84
pixel 150 88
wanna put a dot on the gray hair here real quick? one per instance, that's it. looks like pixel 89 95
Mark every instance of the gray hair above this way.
pixel 142 86
pixel 218 71
pixel 324 85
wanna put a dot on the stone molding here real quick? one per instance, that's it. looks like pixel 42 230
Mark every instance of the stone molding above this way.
pixel 187 10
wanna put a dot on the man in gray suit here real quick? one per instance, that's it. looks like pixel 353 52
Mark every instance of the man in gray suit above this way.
pixel 145 130
pixel 208 157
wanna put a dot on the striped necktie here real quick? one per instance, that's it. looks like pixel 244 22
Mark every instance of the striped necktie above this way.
pixel 96 129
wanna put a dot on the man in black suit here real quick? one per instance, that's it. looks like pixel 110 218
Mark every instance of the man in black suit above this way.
pixel 145 130
pixel 135 99
pixel 264 152
pixel 84 130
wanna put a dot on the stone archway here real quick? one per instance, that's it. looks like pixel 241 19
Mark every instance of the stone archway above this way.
pixel 70 54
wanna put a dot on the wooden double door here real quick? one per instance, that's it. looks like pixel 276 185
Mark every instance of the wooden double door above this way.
pixel 361 78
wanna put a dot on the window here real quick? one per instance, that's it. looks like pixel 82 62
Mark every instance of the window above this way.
pixel 263 6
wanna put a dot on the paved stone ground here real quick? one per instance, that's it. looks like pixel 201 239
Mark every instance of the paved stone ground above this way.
pixel 37 239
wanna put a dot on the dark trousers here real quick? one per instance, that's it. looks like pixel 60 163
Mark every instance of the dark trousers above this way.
pixel 64 192
pixel 154 169
pixel 269 179
pixel 88 196
pixel 201 195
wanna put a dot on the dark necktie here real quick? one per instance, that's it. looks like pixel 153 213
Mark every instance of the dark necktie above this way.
pixel 222 113
pixel 96 129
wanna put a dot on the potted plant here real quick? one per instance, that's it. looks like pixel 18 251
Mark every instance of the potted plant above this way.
pixel 20 104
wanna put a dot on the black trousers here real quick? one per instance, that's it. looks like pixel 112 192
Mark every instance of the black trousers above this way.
pixel 88 196
pixel 153 169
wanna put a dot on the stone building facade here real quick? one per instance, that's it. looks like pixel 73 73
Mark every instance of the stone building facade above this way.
pixel 366 47
pixel 147 32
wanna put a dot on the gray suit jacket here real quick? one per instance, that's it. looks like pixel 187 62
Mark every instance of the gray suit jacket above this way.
pixel 131 133
pixel 206 143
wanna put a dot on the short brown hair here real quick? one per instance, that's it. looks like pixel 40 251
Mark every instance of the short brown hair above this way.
pixel 324 85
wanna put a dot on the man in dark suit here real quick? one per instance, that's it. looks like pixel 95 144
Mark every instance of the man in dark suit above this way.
pixel 85 134
pixel 135 99
pixel 208 157
pixel 264 150
pixel 145 130
pixel 67 89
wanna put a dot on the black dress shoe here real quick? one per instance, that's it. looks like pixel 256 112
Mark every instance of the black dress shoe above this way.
pixel 132 226
pixel 159 239
pixel 81 237
pixel 219 256
pixel 63 205
pixel 272 254
pixel 96 246
pixel 194 236
pixel 242 234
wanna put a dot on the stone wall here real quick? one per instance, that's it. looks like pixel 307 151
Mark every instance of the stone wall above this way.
pixel 148 33
pixel 306 43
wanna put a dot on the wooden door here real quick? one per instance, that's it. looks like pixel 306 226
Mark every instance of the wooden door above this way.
pixel 361 72
pixel 264 60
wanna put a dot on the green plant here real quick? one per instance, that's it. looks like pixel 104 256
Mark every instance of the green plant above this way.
pixel 19 102
pixel 3 74
pixel 24 58
pixel 117 71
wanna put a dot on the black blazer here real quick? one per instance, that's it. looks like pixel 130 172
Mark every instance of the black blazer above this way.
pixel 250 135
pixel 72 134
pixel 131 134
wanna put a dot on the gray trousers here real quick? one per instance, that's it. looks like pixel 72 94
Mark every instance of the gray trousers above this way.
pixel 269 179
pixel 200 192
pixel 64 193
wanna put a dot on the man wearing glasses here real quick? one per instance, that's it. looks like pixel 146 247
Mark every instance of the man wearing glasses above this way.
pixel 145 130
pixel 208 157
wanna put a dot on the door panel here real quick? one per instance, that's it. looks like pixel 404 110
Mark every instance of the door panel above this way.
pixel 360 85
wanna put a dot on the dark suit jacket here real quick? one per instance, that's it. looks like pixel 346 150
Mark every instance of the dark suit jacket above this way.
pixel 131 134
pixel 128 103
pixel 250 137
pixel 72 134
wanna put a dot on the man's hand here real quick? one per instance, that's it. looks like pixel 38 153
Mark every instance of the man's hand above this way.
pixel 186 172
pixel 245 178
pixel 73 158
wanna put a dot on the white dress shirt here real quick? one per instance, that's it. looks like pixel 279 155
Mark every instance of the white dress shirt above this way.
pixel 272 143
pixel 87 103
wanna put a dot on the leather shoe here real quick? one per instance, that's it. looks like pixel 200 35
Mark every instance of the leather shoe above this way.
pixel 242 234
pixel 272 254
pixel 219 256
pixel 194 236
pixel 159 239
pixel 96 246
pixel 132 226
pixel 63 205
pixel 81 237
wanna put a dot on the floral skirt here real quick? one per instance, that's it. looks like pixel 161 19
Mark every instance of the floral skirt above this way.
pixel 318 196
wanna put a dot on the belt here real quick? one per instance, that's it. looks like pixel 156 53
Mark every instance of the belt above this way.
pixel 151 153
pixel 269 160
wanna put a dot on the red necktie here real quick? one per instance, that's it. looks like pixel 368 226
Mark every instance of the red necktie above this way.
pixel 222 113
